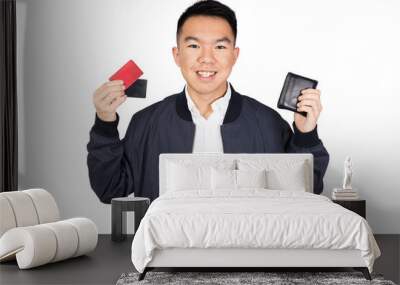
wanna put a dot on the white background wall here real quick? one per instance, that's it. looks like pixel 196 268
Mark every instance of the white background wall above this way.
pixel 66 49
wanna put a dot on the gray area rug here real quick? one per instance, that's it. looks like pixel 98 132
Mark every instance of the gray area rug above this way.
pixel 273 278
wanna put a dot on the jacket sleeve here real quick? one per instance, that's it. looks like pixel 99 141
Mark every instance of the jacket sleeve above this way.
pixel 298 142
pixel 110 170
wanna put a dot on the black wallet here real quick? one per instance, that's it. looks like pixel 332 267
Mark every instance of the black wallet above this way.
pixel 137 89
pixel 291 89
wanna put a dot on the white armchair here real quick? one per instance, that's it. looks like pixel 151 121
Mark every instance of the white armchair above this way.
pixel 31 230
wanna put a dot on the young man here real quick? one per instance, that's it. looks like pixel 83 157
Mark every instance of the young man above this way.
pixel 208 115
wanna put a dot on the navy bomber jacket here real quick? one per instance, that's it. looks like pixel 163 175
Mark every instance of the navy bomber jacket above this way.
pixel 119 167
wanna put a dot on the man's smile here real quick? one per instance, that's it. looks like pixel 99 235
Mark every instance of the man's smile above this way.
pixel 206 74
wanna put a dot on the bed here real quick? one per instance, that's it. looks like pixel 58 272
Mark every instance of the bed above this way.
pixel 245 211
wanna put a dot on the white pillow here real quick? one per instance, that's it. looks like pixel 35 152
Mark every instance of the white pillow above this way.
pixel 223 179
pixel 193 173
pixel 251 178
pixel 289 179
pixel 237 179
pixel 184 177
pixel 281 174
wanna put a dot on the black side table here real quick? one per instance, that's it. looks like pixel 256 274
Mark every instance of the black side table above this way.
pixel 357 206
pixel 119 207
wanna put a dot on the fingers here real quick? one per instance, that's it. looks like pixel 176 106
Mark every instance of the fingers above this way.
pixel 311 90
pixel 309 101
pixel 106 90
pixel 118 101
pixel 109 84
pixel 313 94
pixel 113 83
pixel 111 103
pixel 309 110
pixel 111 96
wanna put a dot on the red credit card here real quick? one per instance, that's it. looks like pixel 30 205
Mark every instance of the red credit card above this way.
pixel 128 73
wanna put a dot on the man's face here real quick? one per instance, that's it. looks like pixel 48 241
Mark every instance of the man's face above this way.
pixel 206 53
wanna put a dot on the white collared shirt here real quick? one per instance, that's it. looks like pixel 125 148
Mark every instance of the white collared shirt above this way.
pixel 207 137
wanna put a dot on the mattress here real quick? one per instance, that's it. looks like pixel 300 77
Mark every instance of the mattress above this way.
pixel 251 219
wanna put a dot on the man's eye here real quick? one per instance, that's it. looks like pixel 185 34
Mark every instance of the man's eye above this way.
pixel 221 47
pixel 193 46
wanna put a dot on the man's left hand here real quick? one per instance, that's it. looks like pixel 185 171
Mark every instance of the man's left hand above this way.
pixel 309 102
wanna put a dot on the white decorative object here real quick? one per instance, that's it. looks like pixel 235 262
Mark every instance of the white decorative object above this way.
pixel 347 192
pixel 348 173
pixel 32 232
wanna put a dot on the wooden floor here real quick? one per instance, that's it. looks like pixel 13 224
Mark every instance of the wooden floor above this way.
pixel 111 259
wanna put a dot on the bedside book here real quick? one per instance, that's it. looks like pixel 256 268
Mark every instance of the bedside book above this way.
pixel 345 194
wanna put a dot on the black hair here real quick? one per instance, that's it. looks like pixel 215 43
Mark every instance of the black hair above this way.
pixel 210 8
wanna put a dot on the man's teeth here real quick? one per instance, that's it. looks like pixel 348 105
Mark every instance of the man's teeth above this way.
pixel 206 73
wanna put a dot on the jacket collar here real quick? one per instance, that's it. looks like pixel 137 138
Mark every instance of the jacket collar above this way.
pixel 233 111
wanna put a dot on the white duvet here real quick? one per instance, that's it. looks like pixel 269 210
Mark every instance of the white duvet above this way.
pixel 250 218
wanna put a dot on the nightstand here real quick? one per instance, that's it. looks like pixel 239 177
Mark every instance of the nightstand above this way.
pixel 357 206
pixel 119 207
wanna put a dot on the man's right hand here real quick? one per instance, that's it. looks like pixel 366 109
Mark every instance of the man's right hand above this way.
pixel 107 98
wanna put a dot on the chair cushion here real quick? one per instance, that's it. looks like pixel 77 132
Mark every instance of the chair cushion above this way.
pixel 27 208
pixel 45 205
pixel 7 220
pixel 23 208
pixel 67 237
pixel 40 244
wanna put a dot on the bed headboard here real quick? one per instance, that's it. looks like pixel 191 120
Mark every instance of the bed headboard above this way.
pixel 269 158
